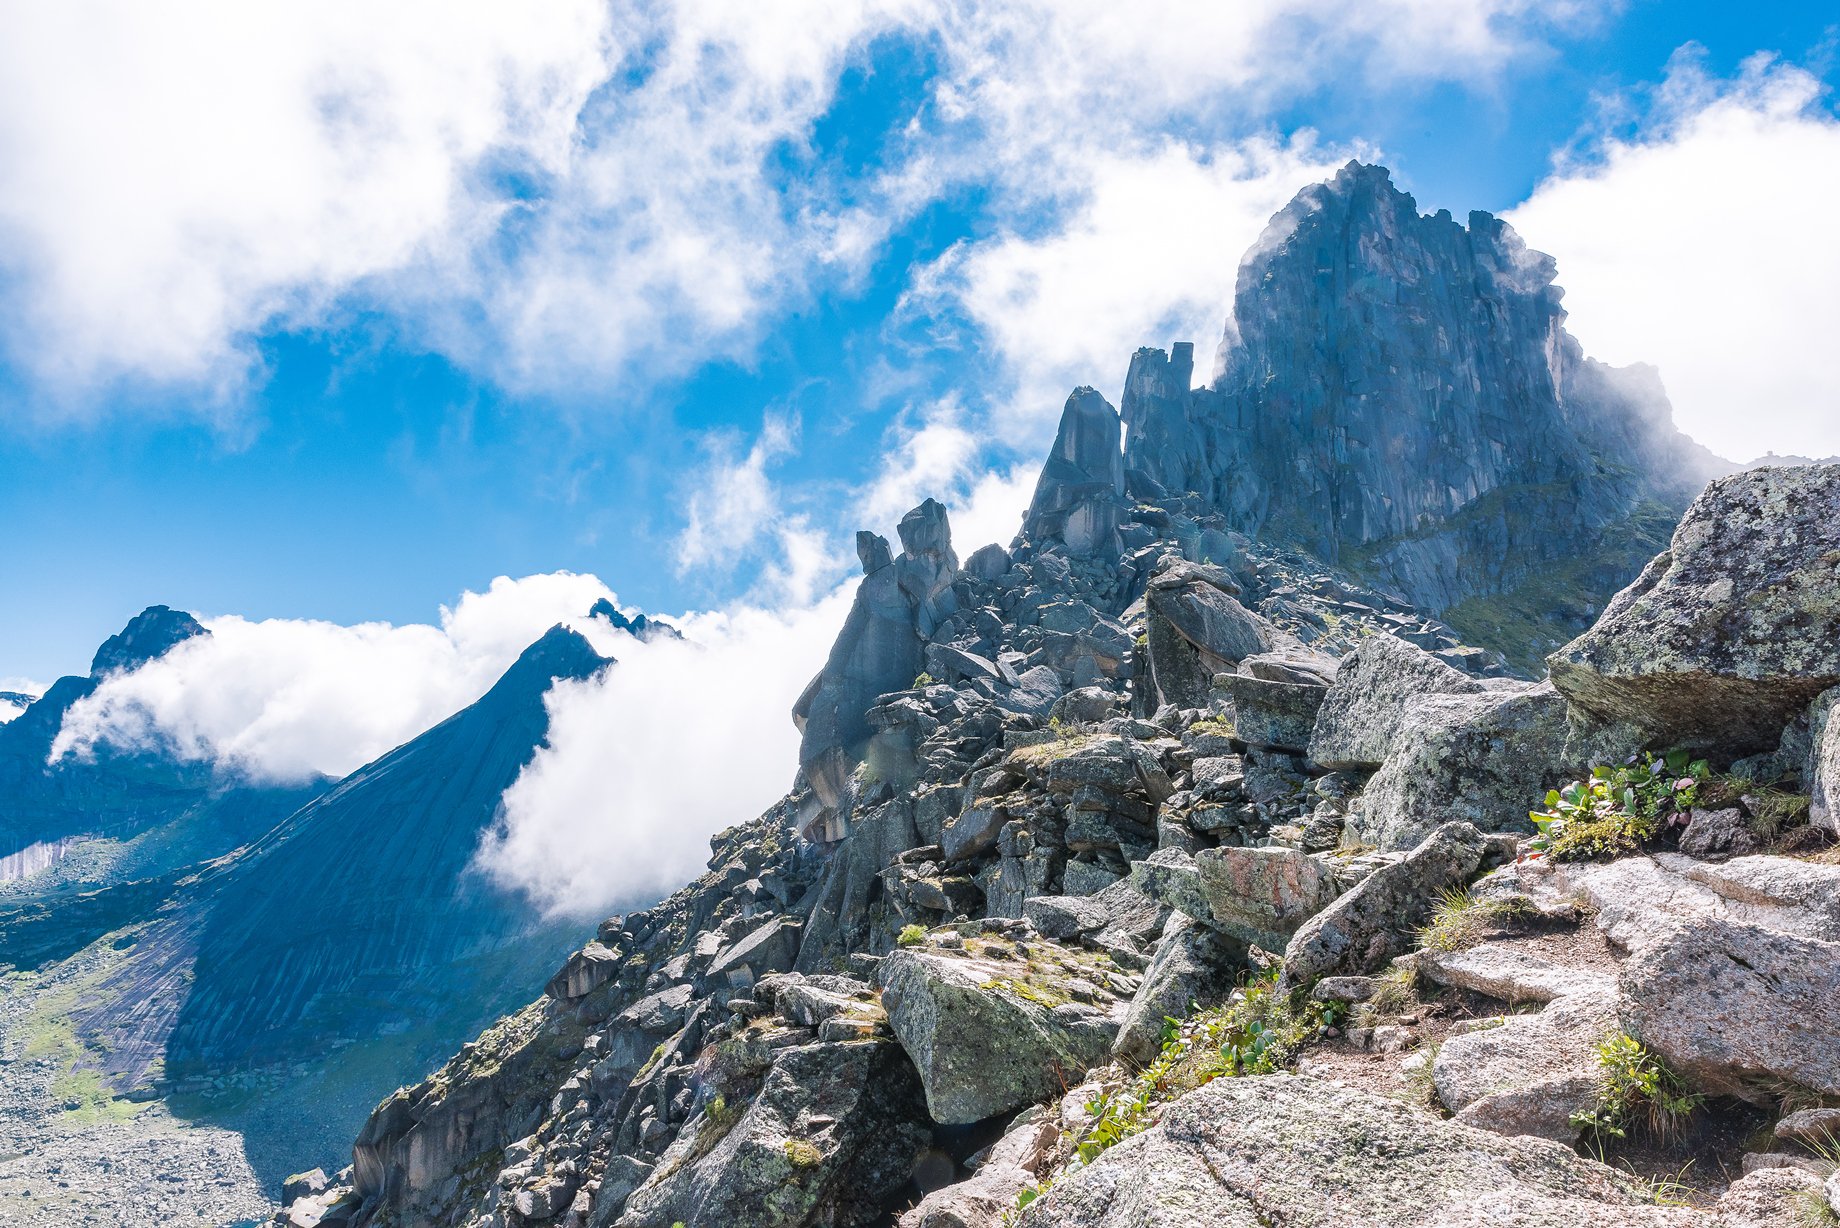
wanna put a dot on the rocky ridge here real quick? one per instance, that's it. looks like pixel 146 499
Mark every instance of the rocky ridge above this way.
pixel 1098 835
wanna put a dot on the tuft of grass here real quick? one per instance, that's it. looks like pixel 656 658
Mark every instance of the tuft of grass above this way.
pixel 1667 1189
pixel 1421 1083
pixel 1395 993
pixel 1636 1089
pixel 911 935
pixel 1459 920
pixel 1812 1210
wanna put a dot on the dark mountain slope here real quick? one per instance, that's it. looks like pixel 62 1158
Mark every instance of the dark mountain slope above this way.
pixel 349 917
pixel 280 990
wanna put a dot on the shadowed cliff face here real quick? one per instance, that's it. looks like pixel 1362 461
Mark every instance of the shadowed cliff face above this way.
pixel 333 922
pixel 1397 395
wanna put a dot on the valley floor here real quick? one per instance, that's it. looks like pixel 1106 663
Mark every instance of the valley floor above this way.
pixel 70 1154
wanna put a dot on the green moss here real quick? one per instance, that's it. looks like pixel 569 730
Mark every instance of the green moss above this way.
pixel 1044 753
pixel 801 1154
pixel 1041 995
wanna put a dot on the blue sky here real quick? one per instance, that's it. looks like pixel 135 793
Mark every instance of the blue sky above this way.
pixel 309 315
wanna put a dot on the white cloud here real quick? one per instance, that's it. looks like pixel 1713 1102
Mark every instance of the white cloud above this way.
pixel 178 178
pixel 732 502
pixel 990 511
pixel 9 710
pixel 551 196
pixel 289 699
pixel 1705 244
pixel 646 762
pixel 942 457
pixel 1148 256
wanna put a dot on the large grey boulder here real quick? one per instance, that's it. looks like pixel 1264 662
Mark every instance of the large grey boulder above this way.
pixel 1738 1008
pixel 1170 877
pixel 1730 632
pixel 1197 629
pixel 1484 758
pixel 1380 917
pixel 831 1137
pixel 1361 715
pixel 1254 1152
pixel 992 1029
pixel 1194 966
pixel 1510 973
pixel 1273 715
pixel 1530 1073
pixel 1262 895
pixel 1119 906
pixel 1823 772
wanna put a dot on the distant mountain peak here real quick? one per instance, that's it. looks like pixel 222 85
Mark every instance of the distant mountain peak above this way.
pixel 639 626
pixel 149 635
pixel 560 652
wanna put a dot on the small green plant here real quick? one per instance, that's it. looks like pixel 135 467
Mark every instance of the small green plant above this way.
pixel 911 935
pixel 1812 1209
pixel 721 1114
pixel 1024 1196
pixel 1617 810
pixel 801 1154
pixel 1257 1031
pixel 1459 920
pixel 922 680
pixel 1635 1088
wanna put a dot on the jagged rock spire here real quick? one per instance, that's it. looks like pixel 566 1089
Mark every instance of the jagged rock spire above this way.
pixel 880 649
pixel 1078 496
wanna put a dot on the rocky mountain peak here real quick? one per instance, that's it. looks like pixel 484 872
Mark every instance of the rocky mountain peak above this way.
pixel 1397 395
pixel 149 635
pixel 560 652
pixel 638 626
